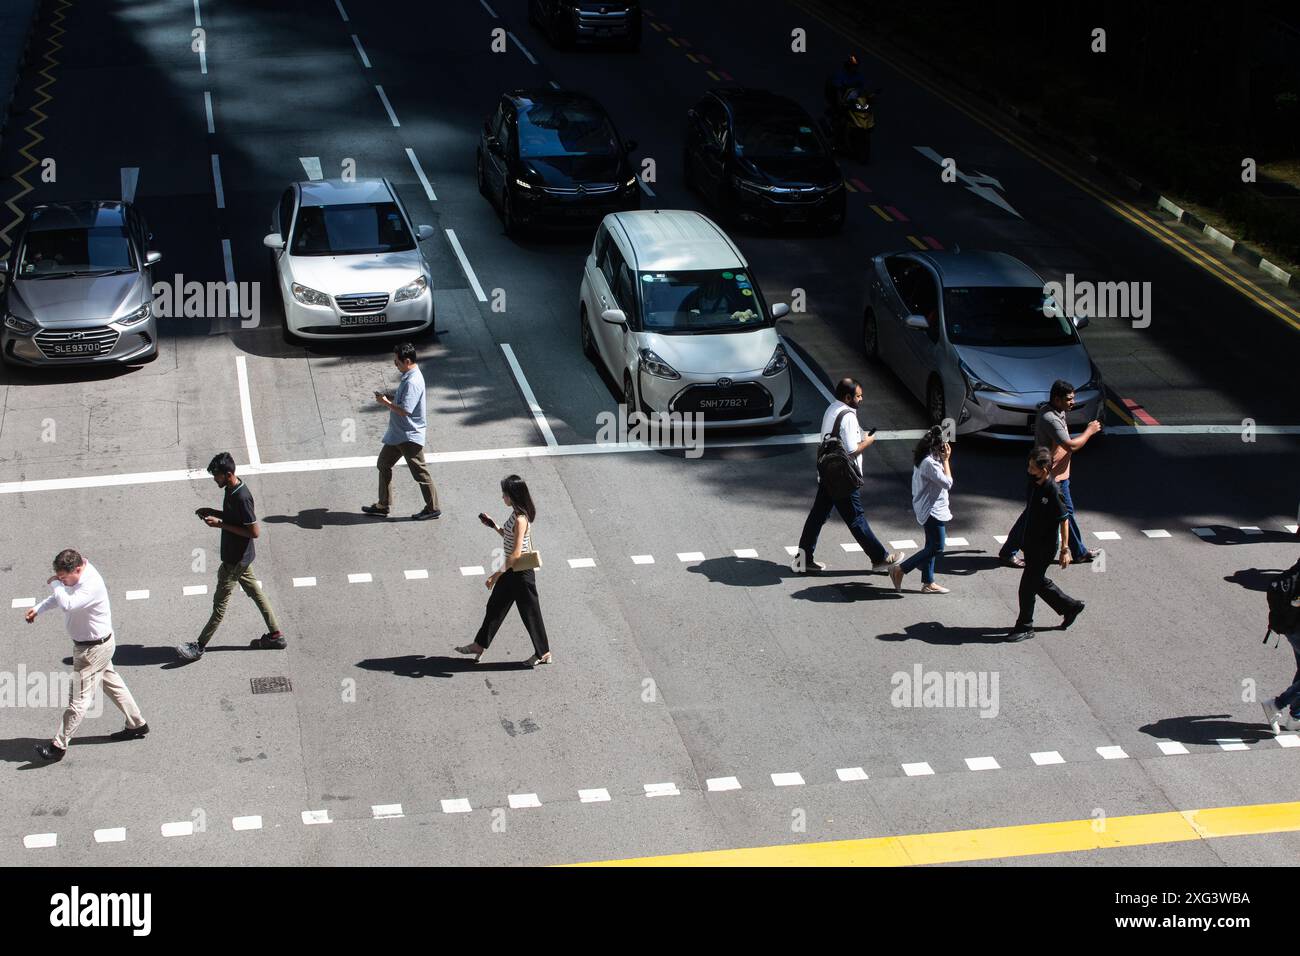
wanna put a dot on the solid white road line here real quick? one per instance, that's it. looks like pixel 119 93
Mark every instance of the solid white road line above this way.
pixel 343 13
pixel 529 398
pixel 387 811
pixel 216 181
pixel 417 574
pixel 246 410
pixel 522 49
pixel 643 559
pixel 582 562
pixel 472 571
pixel 1106 535
pixel 247 823
pixel 364 577
pixel 207 108
pixel 849 774
pixel 1171 747
pixel 311 166
pixel 22 602
pixel 180 828
pixel 1046 758
pixel 419 171
pixel 137 595
pixel 721 784
pixel 1234 430
pixel 387 105
pixel 130 179
pixel 808 373
pixel 686 557
pixel 746 553
pixel 464 264
pixel 520 801
pixel 110 835
pixel 365 60
pixel 1157 533
pixel 36 841
pixel 191 590
pixel 458 805
pixel 982 763
pixel 1112 753
pixel 312 817
pixel 594 795
pixel 304 582
pixel 787 780
pixel 489 9
pixel 662 790
pixel 921 769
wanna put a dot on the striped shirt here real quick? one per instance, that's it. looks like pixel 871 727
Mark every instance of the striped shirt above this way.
pixel 509 529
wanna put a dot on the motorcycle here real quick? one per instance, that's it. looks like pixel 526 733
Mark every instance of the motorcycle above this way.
pixel 852 122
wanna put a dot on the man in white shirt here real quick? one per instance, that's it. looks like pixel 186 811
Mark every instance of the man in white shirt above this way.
pixel 78 590
pixel 848 394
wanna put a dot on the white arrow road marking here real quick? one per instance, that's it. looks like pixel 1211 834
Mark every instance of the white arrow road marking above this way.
pixel 979 184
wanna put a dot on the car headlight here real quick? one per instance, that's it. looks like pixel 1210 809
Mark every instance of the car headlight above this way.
pixel 656 366
pixel 136 317
pixel 412 291
pixel 523 185
pixel 780 361
pixel 630 183
pixel 973 382
pixel 748 186
pixel 19 325
pixel 309 296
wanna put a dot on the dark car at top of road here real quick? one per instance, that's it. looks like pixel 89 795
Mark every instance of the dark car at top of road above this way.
pixel 759 157
pixel 554 158
pixel 571 22
pixel 79 287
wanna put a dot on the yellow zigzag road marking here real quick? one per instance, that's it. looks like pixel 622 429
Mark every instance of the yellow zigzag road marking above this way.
pixel 56 31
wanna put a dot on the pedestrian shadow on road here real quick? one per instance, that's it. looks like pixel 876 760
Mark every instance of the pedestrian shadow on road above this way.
pixel 932 632
pixel 1253 579
pixel 846 592
pixel 758 573
pixel 1223 534
pixel 966 563
pixel 416 665
pixel 141 655
pixel 22 750
pixel 313 519
pixel 1207 729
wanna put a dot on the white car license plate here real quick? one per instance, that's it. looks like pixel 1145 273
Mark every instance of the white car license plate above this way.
pixel 75 348
pixel 349 320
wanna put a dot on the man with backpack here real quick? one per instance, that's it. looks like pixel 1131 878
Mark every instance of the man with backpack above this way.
pixel 839 483
pixel 1283 712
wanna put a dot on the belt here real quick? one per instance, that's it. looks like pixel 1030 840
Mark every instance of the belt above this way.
pixel 103 640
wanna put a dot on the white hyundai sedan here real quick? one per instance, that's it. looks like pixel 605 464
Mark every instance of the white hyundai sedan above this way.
pixel 348 262
pixel 671 308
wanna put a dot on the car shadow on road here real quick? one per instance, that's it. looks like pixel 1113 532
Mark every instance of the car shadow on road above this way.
pixel 416 665
pixel 932 632
pixel 1207 729
pixel 313 519
pixel 1253 579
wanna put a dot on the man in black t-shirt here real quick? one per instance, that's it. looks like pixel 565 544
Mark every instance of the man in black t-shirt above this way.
pixel 238 523
pixel 1047 539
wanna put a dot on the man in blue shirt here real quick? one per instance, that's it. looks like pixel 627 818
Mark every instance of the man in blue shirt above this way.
pixel 405 437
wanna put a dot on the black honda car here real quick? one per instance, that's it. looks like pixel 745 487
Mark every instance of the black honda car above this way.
pixel 571 22
pixel 551 158
pixel 760 158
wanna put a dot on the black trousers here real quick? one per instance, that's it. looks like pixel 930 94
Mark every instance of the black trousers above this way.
pixel 1035 583
pixel 514 588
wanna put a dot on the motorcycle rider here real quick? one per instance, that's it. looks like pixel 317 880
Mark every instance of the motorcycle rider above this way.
pixel 847 77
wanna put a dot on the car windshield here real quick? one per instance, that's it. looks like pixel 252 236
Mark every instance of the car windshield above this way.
pixel 992 316
pixel 49 253
pixel 549 130
pixel 350 230
pixel 776 136
pixel 703 301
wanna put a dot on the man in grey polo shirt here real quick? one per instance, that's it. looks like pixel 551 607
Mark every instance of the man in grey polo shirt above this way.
pixel 405 437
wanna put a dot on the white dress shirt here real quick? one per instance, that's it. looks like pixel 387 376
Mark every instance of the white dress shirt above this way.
pixel 85 605
pixel 850 429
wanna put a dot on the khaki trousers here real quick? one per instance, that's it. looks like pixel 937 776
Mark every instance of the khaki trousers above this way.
pixel 389 455
pixel 91 667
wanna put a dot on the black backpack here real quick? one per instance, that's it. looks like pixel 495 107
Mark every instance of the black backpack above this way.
pixel 835 467
pixel 1283 614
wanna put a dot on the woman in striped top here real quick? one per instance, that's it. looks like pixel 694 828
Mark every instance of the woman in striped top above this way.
pixel 512 587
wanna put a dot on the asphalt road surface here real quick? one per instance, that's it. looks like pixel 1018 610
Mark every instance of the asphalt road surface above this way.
pixel 709 698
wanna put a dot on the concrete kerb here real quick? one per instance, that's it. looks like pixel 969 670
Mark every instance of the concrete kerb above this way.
pixel 1062 141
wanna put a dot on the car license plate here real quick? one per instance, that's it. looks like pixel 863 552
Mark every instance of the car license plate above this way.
pixel 75 348
pixel 379 319
pixel 710 404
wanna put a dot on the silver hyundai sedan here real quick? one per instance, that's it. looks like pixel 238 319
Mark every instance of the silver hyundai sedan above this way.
pixel 79 288
pixel 975 337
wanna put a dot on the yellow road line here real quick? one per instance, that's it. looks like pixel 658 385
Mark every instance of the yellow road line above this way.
pixel 1034 839
pixel 1127 418
pixel 881 213
pixel 1125 210
pixel 673 42
pixel 917 242
pixel 692 57
pixel 713 76
pixel 849 186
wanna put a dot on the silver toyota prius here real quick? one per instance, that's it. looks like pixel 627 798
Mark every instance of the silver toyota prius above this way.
pixel 78 287
pixel 975 337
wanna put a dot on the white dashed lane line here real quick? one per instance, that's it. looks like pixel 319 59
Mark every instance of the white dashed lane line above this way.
pixel 1157 533
pixel 522 49
pixel 137 595
pixel 387 811
pixel 365 60
pixel 787 780
pixel 313 817
pixel 343 13
pixel 22 602
pixel 1106 535
pixel 190 590
pixel 180 828
pixel 1046 758
pixel 921 769
pixel 420 574
pixel 246 823
pixel 685 557
pixel 216 181
pixel 582 562
pixel 850 774
pixel 37 841
pixel 982 763
pixel 595 795
pixel 721 784
pixel 1171 747
pixel 304 582
pixel 111 835
pixel 1112 753
pixel 311 166
pixel 662 790
pixel 460 805
pixel 207 108
pixel 743 553
pixel 643 559
pixel 465 266
pixel 472 571
pixel 489 9
pixel 419 172
pixel 363 578
pixel 387 105
pixel 1234 744
pixel 520 801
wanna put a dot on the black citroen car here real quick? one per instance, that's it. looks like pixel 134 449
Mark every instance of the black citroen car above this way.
pixel 573 22
pixel 552 158
pixel 759 157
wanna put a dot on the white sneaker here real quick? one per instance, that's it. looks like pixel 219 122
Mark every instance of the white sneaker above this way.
pixel 933 588
pixel 1289 722
pixel 191 651
pixel 1272 716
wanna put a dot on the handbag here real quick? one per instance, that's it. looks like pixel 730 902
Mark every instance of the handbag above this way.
pixel 528 560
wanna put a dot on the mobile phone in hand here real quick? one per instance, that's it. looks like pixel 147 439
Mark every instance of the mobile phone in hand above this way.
pixel 486 520
pixel 870 433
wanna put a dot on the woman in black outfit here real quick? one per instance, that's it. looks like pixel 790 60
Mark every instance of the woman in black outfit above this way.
pixel 508 586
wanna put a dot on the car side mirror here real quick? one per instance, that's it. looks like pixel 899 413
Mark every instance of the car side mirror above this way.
pixel 615 317
pixel 273 241
pixel 152 258
pixel 780 310
pixel 424 232
pixel 1080 321
pixel 917 322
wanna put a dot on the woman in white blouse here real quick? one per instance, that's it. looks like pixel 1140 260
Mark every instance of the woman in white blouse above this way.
pixel 931 481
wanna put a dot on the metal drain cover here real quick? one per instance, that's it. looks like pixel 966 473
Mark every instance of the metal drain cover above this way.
pixel 271 685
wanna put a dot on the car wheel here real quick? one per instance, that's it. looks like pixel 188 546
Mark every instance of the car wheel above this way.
pixel 584 333
pixel 629 393
pixel 935 407
pixel 508 213
pixel 870 334
pixel 478 173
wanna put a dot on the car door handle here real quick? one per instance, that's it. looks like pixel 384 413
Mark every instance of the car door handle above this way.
pixel 604 301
